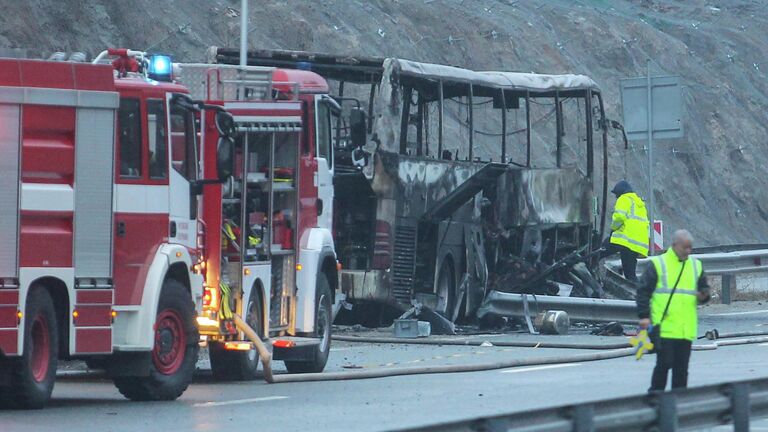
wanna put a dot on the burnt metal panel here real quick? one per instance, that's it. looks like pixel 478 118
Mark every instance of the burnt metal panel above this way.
pixel 94 153
pixel 9 188
pixel 404 261
pixel 464 192
pixel 543 197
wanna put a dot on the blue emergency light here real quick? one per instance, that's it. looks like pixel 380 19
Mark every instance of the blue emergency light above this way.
pixel 160 68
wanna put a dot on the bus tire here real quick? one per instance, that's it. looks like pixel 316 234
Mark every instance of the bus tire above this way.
pixel 446 288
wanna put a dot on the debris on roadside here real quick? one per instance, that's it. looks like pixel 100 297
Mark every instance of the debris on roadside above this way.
pixel 610 329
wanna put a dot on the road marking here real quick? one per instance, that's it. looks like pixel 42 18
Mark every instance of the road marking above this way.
pixel 343 348
pixel 239 401
pixel 764 344
pixel 538 368
pixel 764 311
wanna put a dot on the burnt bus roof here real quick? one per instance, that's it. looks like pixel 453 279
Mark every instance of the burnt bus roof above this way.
pixel 367 70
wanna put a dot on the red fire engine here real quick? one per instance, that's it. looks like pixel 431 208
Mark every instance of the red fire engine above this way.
pixel 99 226
pixel 269 251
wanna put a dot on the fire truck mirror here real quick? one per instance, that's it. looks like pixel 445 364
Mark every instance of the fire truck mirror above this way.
pixel 225 124
pixel 225 157
pixel 358 127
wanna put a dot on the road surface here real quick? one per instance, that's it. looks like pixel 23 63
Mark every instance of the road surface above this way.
pixel 91 403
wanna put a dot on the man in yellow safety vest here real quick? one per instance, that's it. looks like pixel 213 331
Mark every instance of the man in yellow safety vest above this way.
pixel 669 290
pixel 629 229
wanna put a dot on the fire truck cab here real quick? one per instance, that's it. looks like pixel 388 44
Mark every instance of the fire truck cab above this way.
pixel 99 227
pixel 268 211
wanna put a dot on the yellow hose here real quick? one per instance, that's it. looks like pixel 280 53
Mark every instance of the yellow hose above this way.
pixel 264 354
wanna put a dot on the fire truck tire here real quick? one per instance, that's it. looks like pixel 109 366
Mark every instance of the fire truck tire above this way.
pixel 239 365
pixel 323 311
pixel 32 374
pixel 174 355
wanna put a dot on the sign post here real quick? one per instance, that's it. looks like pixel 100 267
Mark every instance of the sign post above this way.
pixel 649 87
pixel 652 114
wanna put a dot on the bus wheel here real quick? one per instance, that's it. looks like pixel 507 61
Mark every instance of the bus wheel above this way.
pixel 323 321
pixel 33 373
pixel 446 289
pixel 174 354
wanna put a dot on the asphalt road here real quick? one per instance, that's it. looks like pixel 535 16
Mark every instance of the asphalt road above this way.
pixel 92 403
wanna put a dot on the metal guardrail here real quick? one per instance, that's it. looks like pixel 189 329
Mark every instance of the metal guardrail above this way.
pixel 723 263
pixel 698 407
pixel 747 261
pixel 578 308
pixel 729 248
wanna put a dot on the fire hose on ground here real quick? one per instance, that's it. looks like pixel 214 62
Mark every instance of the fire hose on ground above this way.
pixel 605 352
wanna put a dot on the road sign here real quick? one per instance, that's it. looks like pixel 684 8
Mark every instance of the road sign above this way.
pixel 658 236
pixel 666 107
pixel 653 108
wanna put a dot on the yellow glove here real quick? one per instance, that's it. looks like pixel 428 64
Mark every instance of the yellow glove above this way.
pixel 642 343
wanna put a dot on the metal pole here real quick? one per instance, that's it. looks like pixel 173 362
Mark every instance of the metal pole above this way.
pixel 244 33
pixel 244 210
pixel 650 157
pixel 728 282
pixel 503 127
pixel 559 126
pixel 440 124
pixel 471 122
pixel 528 129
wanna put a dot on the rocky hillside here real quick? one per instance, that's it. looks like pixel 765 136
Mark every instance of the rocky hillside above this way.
pixel 710 182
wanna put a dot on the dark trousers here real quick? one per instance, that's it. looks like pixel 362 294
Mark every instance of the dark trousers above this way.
pixel 628 259
pixel 672 354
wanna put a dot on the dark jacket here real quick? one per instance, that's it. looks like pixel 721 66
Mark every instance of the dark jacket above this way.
pixel 647 285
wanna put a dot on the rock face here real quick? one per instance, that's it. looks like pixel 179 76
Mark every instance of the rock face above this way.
pixel 710 182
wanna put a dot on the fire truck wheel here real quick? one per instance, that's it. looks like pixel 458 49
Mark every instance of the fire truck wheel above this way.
pixel 33 374
pixel 323 321
pixel 175 352
pixel 239 365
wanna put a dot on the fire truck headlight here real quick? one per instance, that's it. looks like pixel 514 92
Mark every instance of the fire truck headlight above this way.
pixel 160 67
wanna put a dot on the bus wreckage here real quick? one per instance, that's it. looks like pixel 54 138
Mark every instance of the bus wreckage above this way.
pixel 470 181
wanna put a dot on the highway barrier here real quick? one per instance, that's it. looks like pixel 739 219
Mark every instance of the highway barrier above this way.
pixel 692 408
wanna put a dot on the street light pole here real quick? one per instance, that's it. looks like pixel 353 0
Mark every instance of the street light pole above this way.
pixel 650 158
pixel 244 33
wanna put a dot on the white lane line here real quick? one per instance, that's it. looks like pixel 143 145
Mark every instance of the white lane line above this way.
pixel 764 311
pixel 764 344
pixel 239 401
pixel 538 368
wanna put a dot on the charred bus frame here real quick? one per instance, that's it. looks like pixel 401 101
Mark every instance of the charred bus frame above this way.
pixel 415 224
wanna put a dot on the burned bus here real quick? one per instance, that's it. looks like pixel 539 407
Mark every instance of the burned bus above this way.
pixel 469 182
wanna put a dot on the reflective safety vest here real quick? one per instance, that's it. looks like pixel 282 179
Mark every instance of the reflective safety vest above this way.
pixel 681 319
pixel 630 223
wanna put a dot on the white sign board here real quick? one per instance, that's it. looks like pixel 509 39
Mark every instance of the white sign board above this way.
pixel 666 107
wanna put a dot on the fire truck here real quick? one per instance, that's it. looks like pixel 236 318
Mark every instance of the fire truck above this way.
pixel 267 203
pixel 100 232
pixel 129 201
